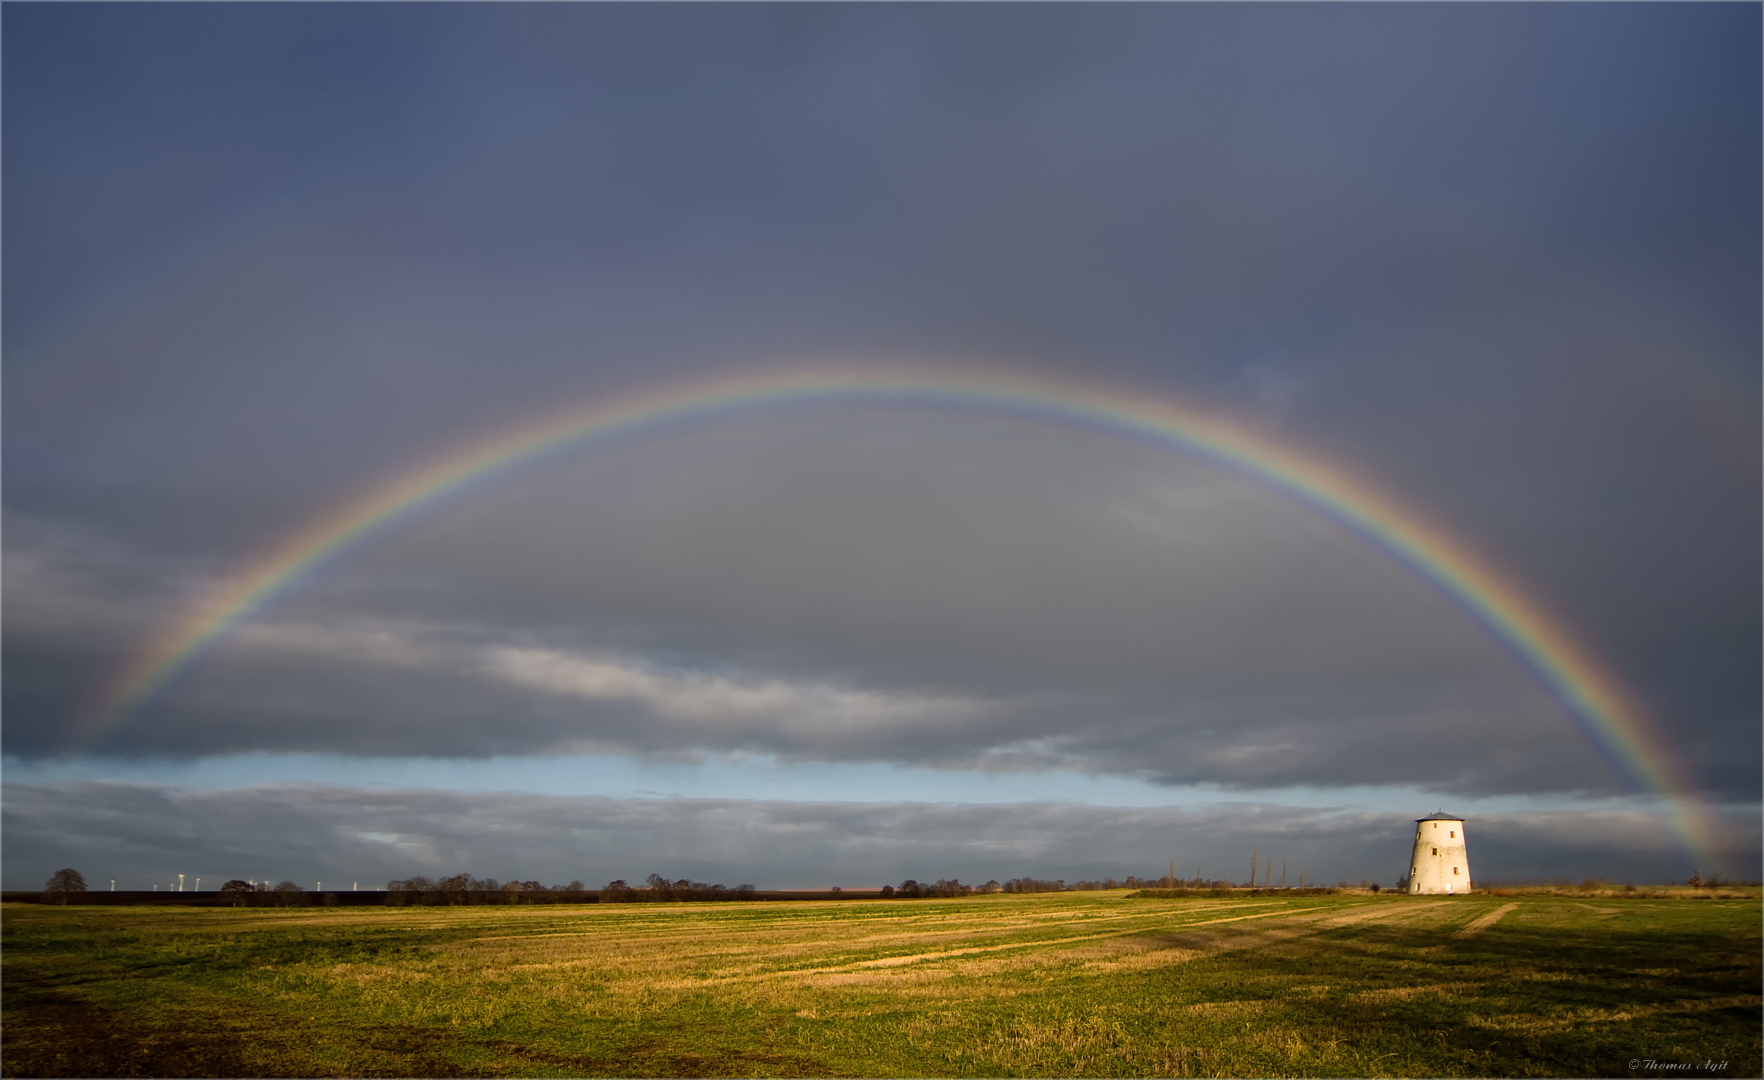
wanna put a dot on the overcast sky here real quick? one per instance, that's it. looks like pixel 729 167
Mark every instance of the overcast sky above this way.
pixel 1498 262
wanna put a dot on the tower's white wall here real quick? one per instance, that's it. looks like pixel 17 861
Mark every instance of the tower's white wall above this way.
pixel 1440 864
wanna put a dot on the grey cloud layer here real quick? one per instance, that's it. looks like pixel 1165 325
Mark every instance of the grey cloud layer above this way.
pixel 968 592
pixel 141 834
pixel 1499 260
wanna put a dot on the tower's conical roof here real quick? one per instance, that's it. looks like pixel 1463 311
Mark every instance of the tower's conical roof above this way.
pixel 1440 815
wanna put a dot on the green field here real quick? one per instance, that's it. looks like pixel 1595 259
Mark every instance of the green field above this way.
pixel 1061 984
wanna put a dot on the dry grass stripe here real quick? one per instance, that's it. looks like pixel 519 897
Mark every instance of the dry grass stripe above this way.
pixel 1479 925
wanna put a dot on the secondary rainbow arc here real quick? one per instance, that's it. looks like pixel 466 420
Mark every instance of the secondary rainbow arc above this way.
pixel 1591 695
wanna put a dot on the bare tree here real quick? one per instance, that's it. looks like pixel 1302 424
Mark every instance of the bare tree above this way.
pixel 412 890
pixel 64 883
pixel 239 892
pixel 454 889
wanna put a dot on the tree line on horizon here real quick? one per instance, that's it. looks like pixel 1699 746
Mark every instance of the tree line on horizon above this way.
pixel 658 889
pixel 460 889
pixel 463 889
pixel 466 889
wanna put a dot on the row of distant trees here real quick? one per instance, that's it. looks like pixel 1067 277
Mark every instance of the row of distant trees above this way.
pixel 657 889
pixel 241 893
pixel 460 889
pixel 466 889
pixel 68 883
pixel 910 889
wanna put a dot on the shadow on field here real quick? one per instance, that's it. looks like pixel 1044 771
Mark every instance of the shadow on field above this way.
pixel 50 1033
pixel 1555 1000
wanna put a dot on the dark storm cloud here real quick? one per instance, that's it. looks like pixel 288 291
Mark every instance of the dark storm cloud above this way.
pixel 1500 260
pixel 965 591
pixel 141 834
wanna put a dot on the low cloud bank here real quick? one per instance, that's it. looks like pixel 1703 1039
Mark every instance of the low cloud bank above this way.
pixel 1180 654
pixel 142 834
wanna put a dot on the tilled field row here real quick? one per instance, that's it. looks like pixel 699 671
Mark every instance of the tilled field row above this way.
pixel 1057 947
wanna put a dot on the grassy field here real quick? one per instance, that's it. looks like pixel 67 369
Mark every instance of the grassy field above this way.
pixel 1062 984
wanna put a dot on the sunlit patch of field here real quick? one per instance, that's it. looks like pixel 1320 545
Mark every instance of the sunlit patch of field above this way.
pixel 1055 985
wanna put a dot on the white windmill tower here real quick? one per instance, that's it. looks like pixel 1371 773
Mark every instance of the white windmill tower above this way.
pixel 1440 863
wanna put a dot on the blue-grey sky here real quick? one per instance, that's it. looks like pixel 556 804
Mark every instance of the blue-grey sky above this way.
pixel 1499 262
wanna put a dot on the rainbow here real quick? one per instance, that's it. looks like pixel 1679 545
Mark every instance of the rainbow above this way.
pixel 1591 695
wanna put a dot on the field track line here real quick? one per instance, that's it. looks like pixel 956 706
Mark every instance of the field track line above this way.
pixel 914 958
pixel 894 961
pixel 1484 922
pixel 643 923
pixel 912 925
pixel 1258 915
pixel 1313 920
pixel 1379 911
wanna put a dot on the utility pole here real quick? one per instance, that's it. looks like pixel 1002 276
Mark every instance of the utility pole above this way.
pixel 1172 882
pixel 1283 873
pixel 1253 854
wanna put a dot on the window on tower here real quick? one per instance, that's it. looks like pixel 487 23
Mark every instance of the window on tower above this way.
pixel 1454 834
pixel 1436 851
pixel 1454 871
